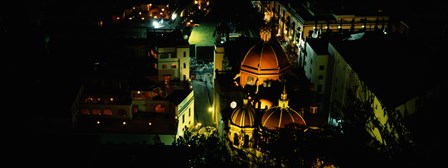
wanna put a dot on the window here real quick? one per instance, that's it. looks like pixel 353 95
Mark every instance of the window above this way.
pixel 319 88
pixel 185 65
pixel 107 112
pixel 89 100
pixel 189 112
pixel 173 66
pixel 321 77
pixel 246 141
pixel 235 139
pixel 164 66
pixel 85 111
pixel 321 67
pixel 147 94
pixel 135 108
pixel 185 54
pixel 167 79
pixel 183 119
pixel 96 112
pixel 160 108
pixel 313 109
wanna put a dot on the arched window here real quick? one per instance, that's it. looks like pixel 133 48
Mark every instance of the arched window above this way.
pixel 107 112
pixel 85 111
pixel 313 109
pixel 89 100
pixel 160 108
pixel 96 112
pixel 246 141
pixel 235 139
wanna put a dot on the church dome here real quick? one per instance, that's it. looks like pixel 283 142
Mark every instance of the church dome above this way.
pixel 277 117
pixel 265 58
pixel 243 116
pixel 281 115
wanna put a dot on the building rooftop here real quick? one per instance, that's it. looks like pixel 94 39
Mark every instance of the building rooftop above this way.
pixel 178 95
pixel 319 45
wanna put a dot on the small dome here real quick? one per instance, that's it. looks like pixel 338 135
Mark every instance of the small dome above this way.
pixel 243 116
pixel 277 117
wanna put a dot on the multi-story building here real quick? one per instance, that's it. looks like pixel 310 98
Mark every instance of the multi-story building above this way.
pixel 146 101
pixel 298 21
pixel 173 61
pixel 389 80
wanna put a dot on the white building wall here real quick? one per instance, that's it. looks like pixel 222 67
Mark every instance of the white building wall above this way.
pixel 218 59
pixel 307 66
pixel 185 114
pixel 320 71
pixel 183 54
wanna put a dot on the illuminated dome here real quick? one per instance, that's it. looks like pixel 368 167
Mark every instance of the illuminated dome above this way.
pixel 243 116
pixel 279 116
pixel 264 60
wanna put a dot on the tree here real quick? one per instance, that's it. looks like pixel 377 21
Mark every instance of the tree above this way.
pixel 360 121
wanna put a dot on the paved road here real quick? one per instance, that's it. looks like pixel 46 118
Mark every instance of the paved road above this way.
pixel 203 99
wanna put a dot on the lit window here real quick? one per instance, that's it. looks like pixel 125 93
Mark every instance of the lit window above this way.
pixel 135 108
pixel 96 112
pixel 85 111
pixel 164 66
pixel 160 108
pixel 173 65
pixel 88 100
pixel 147 95
pixel 107 112
pixel 313 109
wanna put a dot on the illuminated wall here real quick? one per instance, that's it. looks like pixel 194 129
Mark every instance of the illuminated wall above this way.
pixel 173 61
pixel 315 67
pixel 185 114
pixel 344 77
pixel 218 59
pixel 183 53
